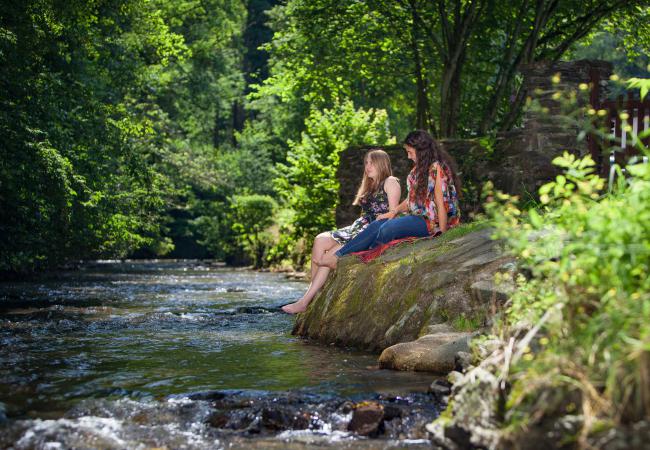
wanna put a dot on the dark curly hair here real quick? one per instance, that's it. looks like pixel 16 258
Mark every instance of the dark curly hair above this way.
pixel 428 151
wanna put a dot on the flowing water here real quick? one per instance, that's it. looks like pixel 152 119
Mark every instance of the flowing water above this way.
pixel 183 355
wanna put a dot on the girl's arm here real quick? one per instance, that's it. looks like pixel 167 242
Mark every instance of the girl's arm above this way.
pixel 394 191
pixel 439 200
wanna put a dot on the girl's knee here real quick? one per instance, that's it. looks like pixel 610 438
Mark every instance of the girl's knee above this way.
pixel 385 233
pixel 322 242
pixel 325 236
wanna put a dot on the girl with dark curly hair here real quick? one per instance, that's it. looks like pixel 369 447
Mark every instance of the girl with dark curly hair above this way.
pixel 431 206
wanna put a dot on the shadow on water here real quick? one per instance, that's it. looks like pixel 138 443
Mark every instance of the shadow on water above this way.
pixel 123 350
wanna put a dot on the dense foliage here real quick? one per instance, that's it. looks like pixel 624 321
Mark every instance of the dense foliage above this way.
pixel 307 181
pixel 579 343
pixel 132 127
pixel 451 66
pixel 118 122
pixel 79 132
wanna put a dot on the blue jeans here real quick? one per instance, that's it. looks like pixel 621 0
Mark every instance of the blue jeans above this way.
pixel 383 231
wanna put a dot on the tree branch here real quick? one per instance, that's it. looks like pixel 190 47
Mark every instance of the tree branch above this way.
pixel 428 29
pixel 582 25
pixel 560 31
pixel 444 24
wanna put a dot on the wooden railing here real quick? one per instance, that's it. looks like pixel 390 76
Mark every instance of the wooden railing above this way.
pixel 627 118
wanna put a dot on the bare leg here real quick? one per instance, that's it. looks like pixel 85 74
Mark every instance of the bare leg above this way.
pixel 329 260
pixel 323 243
pixel 317 282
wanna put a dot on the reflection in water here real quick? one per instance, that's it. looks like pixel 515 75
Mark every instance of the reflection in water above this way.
pixel 144 331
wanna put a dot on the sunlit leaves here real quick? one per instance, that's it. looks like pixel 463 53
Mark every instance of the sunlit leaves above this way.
pixel 586 253
pixel 643 84
pixel 308 180
pixel 76 174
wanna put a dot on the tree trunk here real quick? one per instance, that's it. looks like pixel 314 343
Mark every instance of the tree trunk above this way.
pixel 450 99
pixel 455 38
pixel 217 132
pixel 445 94
pixel 423 119
pixel 544 9
pixel 238 118
pixel 506 72
pixel 515 109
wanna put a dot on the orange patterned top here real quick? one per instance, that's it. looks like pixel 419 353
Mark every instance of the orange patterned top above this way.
pixel 428 210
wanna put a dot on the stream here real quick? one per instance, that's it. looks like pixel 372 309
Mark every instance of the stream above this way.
pixel 185 354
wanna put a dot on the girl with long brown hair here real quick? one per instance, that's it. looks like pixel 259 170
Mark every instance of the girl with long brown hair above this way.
pixel 378 192
pixel 431 206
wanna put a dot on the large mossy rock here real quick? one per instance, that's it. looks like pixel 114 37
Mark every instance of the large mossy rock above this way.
pixel 399 296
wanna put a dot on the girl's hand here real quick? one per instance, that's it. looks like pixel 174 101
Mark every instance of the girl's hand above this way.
pixel 393 212
pixel 389 215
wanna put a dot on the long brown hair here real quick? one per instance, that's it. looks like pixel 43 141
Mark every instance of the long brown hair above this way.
pixel 428 151
pixel 381 161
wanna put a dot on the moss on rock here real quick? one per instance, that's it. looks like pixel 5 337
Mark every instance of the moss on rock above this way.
pixel 395 297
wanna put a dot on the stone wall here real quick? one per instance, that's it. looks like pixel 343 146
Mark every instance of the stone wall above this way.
pixel 524 154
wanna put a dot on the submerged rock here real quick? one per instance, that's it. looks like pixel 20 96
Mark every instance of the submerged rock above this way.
pixel 440 389
pixel 367 419
pixel 285 419
pixel 235 289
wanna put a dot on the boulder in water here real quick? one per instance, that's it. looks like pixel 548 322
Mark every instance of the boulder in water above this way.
pixel 398 296
pixel 430 353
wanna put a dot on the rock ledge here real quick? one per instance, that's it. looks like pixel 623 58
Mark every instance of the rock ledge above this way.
pixel 433 292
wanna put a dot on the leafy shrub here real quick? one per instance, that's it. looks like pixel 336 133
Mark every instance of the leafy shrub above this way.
pixel 587 299
pixel 252 215
pixel 308 180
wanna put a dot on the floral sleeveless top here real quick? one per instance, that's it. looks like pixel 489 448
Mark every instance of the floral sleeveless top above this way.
pixel 372 205
pixel 428 210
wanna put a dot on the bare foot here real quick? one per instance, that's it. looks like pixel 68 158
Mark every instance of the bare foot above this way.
pixel 295 308
pixel 330 260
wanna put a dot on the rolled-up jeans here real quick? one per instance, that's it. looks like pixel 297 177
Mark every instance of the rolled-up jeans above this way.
pixel 383 231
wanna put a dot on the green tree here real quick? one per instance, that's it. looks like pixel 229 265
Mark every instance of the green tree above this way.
pixel 623 40
pixel 78 137
pixel 395 53
pixel 307 182
pixel 203 91
pixel 252 215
